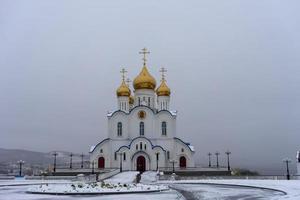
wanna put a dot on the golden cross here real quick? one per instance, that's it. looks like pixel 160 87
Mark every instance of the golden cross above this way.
pixel 144 51
pixel 163 70
pixel 128 81
pixel 123 71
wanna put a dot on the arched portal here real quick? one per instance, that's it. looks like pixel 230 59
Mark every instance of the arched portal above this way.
pixel 182 162
pixel 141 164
pixel 101 162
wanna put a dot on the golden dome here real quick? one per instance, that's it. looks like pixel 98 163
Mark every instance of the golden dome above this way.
pixel 144 80
pixel 131 100
pixel 123 90
pixel 163 89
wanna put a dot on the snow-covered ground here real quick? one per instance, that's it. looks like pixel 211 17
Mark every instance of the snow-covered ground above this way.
pixel 124 177
pixel 291 187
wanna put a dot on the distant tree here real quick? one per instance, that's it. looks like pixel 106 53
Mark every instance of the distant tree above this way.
pixel 244 172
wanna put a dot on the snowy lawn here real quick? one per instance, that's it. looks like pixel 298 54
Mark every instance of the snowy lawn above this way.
pixel 291 187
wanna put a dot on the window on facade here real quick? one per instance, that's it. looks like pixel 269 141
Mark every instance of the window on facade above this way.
pixel 115 155
pixel 142 128
pixel 145 146
pixel 182 150
pixel 136 146
pixel 139 101
pixel 149 102
pixel 119 129
pixel 101 150
pixel 164 128
pixel 141 146
pixel 157 156
pixel 124 156
pixel 168 155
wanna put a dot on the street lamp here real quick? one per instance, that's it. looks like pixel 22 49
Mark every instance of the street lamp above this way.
pixel 173 164
pixel 71 156
pixel 287 161
pixel 121 161
pixel 93 167
pixel 157 157
pixel 228 162
pixel 81 160
pixel 209 159
pixel 217 155
pixel 54 164
pixel 20 162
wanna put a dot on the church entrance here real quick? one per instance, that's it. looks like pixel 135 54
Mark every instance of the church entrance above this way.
pixel 141 164
pixel 101 162
pixel 182 162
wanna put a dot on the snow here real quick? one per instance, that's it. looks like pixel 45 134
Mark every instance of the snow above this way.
pixel 92 148
pixel 124 177
pixel 149 177
pixel 291 187
pixel 94 188
pixel 18 193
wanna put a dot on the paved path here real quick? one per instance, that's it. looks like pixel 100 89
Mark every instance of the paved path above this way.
pixel 223 192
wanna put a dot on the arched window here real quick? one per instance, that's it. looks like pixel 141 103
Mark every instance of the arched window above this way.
pixel 168 155
pixel 124 156
pixel 142 128
pixel 164 128
pixel 149 101
pixel 119 128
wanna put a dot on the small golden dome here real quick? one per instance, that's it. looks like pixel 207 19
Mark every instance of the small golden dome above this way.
pixel 144 80
pixel 131 100
pixel 123 90
pixel 163 89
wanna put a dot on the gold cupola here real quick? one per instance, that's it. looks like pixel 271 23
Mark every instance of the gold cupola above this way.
pixel 123 90
pixel 144 80
pixel 163 89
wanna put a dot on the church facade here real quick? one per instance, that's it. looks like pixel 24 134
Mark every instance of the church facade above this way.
pixel 142 130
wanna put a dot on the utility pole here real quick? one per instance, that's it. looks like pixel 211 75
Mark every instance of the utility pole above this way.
pixel 209 159
pixel 217 155
pixel 81 160
pixel 228 162
pixel 20 162
pixel 157 157
pixel 287 161
pixel 54 164
pixel 71 156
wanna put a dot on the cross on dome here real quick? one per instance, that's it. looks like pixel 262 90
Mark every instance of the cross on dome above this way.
pixel 163 70
pixel 144 52
pixel 123 71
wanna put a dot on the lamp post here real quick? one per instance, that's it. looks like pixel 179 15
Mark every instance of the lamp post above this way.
pixel 228 162
pixel 157 157
pixel 217 155
pixel 20 162
pixel 54 164
pixel 173 164
pixel 81 160
pixel 287 161
pixel 71 156
pixel 209 159
pixel 121 161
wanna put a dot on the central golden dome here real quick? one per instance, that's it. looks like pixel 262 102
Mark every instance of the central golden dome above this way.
pixel 144 80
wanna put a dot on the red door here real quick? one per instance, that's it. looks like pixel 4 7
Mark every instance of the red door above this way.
pixel 101 162
pixel 182 162
pixel 141 164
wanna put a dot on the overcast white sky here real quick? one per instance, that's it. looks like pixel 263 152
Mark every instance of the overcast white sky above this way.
pixel 233 67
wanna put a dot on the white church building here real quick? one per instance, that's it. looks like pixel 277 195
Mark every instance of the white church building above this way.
pixel 142 130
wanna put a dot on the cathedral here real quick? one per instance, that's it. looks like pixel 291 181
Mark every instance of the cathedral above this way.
pixel 142 130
